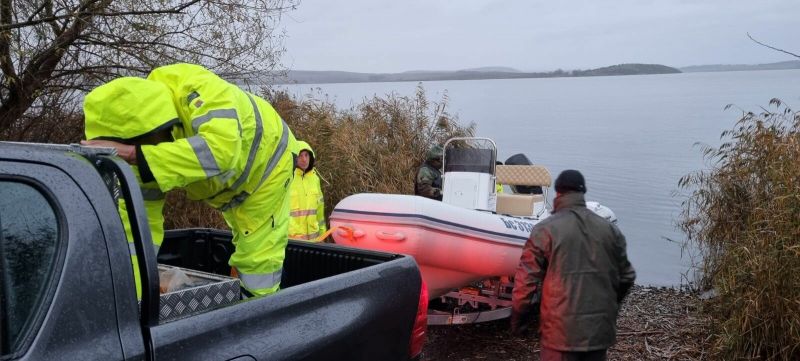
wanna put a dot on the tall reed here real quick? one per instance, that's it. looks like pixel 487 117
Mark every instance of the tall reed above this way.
pixel 744 216
pixel 375 146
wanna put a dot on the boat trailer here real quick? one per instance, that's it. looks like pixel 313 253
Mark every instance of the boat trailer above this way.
pixel 486 300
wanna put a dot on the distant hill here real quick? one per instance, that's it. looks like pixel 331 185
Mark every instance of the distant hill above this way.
pixel 627 69
pixel 318 77
pixel 310 77
pixel 499 69
pixel 792 64
pixel 421 71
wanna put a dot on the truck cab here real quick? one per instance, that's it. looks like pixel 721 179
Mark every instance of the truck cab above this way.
pixel 67 288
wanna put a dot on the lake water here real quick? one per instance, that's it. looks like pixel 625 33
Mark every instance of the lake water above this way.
pixel 631 136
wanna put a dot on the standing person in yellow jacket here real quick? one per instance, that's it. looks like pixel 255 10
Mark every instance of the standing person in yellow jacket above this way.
pixel 307 216
pixel 185 127
pixel 498 188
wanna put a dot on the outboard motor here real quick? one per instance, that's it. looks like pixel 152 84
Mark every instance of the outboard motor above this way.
pixel 521 159
pixel 602 211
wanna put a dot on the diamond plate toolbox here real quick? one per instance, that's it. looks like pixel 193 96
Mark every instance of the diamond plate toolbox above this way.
pixel 208 291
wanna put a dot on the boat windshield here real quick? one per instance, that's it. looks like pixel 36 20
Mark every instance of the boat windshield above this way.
pixel 469 160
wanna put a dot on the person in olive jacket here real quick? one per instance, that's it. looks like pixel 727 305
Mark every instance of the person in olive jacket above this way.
pixel 573 274
pixel 429 176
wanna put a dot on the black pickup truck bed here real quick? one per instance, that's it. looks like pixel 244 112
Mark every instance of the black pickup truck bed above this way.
pixel 208 250
pixel 68 291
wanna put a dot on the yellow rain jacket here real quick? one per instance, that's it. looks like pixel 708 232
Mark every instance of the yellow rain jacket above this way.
pixel 152 113
pixel 307 213
pixel 230 149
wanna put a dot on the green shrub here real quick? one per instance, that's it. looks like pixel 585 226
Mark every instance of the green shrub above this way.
pixel 744 216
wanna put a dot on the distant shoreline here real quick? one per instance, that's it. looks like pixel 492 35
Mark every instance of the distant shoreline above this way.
pixel 330 77
pixel 324 77
pixel 784 65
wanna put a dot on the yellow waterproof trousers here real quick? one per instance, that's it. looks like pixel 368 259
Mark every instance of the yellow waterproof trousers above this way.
pixel 259 254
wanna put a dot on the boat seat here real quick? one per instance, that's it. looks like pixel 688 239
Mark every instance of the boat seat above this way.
pixel 517 204
pixel 520 175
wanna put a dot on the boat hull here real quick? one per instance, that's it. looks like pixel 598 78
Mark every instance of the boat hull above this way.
pixel 453 246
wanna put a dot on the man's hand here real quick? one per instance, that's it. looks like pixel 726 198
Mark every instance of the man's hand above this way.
pixel 125 151
pixel 519 329
pixel 623 290
pixel 523 322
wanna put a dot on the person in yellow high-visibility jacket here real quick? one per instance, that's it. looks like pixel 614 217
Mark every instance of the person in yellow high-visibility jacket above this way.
pixel 498 188
pixel 307 211
pixel 185 127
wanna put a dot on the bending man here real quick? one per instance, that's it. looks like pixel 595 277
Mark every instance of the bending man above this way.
pixel 185 127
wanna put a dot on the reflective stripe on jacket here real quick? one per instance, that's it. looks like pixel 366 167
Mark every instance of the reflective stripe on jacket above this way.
pixel 575 262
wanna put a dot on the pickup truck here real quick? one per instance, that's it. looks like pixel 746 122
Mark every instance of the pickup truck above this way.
pixel 67 287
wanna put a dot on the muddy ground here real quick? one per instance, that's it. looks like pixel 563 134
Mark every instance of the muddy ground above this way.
pixel 654 324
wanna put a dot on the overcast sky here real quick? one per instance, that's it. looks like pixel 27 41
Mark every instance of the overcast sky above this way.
pixel 532 35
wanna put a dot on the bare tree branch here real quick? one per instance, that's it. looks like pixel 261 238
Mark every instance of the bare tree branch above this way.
pixel 771 47
pixel 6 64
pixel 41 66
pixel 48 5
pixel 38 10
pixel 51 51
pixel 176 10
pixel 107 69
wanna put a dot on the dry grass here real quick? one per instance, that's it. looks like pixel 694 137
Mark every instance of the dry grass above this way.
pixel 653 324
pixel 373 147
pixel 60 128
pixel 661 324
pixel 744 216
pixel 376 146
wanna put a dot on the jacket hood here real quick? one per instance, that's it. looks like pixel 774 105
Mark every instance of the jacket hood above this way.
pixel 128 108
pixel 301 146
pixel 175 76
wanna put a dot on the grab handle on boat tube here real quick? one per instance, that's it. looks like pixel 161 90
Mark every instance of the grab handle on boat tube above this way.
pixel 387 236
pixel 350 233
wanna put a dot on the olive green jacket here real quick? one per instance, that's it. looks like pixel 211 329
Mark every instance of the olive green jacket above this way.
pixel 428 182
pixel 575 268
